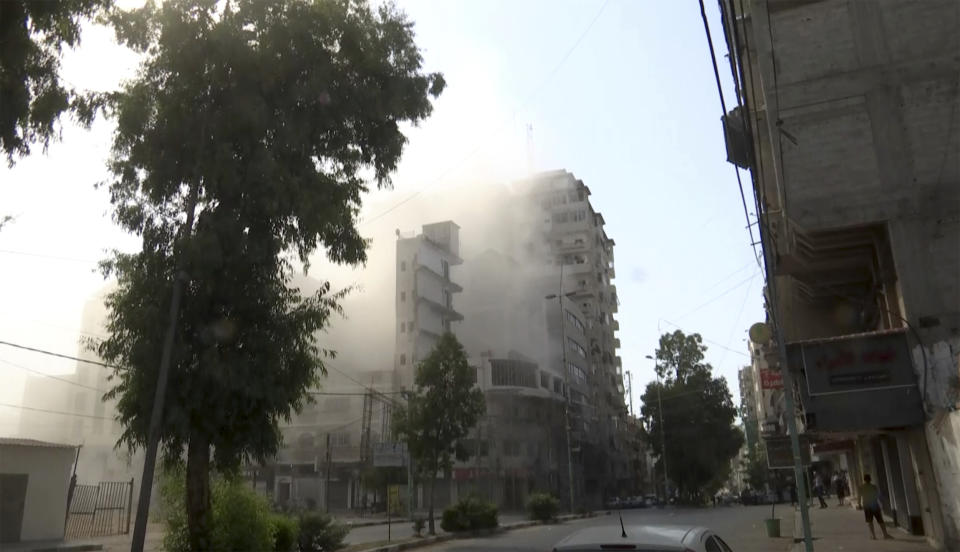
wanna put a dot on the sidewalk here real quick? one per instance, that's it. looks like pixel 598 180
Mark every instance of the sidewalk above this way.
pixel 843 528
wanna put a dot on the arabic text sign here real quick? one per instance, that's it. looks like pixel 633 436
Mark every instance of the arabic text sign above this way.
pixel 859 363
pixel 771 379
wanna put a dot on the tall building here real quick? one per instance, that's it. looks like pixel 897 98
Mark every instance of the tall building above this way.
pixel 424 294
pixel 849 126
pixel 571 239
pixel 748 405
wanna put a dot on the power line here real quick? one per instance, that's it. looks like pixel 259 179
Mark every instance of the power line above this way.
pixel 51 376
pixel 481 144
pixel 59 355
pixel 716 343
pixel 719 296
pixel 723 105
pixel 60 412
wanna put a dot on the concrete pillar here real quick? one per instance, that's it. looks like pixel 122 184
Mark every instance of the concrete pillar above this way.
pixel 891 462
pixel 926 487
pixel 914 520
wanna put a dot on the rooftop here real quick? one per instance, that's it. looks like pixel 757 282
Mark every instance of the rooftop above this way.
pixel 17 442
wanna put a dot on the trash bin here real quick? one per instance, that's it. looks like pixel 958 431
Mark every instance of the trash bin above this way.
pixel 773 527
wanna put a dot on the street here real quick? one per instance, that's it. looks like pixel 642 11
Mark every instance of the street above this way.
pixel 740 526
pixel 402 530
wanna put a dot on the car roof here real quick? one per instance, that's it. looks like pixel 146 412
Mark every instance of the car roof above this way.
pixel 664 537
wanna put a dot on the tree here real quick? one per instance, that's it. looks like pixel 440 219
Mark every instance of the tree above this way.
pixel 261 122
pixel 757 472
pixel 440 412
pixel 32 96
pixel 697 418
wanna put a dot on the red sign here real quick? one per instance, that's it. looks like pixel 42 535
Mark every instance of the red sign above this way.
pixel 771 379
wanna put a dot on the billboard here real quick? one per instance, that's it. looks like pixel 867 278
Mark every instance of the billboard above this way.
pixel 771 379
pixel 880 360
pixel 780 453
pixel 389 455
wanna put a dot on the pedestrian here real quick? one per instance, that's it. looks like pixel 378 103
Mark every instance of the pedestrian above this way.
pixel 839 488
pixel 870 502
pixel 818 489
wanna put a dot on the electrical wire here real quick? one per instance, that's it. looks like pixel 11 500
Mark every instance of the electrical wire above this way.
pixel 60 412
pixel 723 105
pixel 716 297
pixel 716 343
pixel 59 355
pixel 51 376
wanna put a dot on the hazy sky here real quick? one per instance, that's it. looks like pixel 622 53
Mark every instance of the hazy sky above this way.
pixel 621 93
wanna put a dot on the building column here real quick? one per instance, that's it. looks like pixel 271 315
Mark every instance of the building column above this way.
pixel 891 462
pixel 911 500
pixel 926 488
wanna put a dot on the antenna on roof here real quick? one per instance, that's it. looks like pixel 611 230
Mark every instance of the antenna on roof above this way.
pixel 623 531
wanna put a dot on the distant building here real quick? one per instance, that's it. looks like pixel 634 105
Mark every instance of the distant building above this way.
pixel 424 295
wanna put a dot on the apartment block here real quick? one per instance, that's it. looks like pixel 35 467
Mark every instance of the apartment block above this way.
pixel 849 126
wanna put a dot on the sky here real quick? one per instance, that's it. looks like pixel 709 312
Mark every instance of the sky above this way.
pixel 620 92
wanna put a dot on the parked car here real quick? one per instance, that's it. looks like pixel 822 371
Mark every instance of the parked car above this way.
pixel 643 537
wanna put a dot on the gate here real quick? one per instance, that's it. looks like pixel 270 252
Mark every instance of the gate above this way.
pixel 98 510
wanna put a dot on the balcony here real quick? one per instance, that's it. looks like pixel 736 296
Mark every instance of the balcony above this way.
pixel 616 343
pixel 615 326
pixel 445 281
pixel 446 312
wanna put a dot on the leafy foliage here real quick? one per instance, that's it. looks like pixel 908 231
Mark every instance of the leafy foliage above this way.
pixel 542 506
pixel 241 519
pixel 698 415
pixel 32 95
pixel 440 412
pixel 418 524
pixel 469 514
pixel 757 472
pixel 286 533
pixel 264 118
pixel 318 533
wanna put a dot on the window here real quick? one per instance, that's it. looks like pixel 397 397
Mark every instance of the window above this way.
pixel 511 447
pixel 403 326
pixel 577 373
pixel 513 373
pixel 446 324
pixel 557 385
pixel 403 296
pixel 576 347
pixel 574 321
pixel 578 216
pixel 403 266
pixel 560 217
pixel 713 545
pixel 544 380
pixel 403 360
pixel 448 299
pixel 446 268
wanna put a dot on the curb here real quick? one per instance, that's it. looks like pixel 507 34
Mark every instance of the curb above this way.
pixel 352 525
pixel 82 547
pixel 427 541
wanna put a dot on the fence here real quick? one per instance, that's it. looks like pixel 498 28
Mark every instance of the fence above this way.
pixel 97 510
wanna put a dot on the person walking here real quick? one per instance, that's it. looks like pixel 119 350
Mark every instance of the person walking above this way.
pixel 818 489
pixel 838 487
pixel 870 502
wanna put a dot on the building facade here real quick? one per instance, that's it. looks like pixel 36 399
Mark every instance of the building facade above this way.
pixel 424 294
pixel 849 125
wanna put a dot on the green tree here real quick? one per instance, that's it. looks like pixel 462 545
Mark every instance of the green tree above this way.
pixel 757 472
pixel 32 95
pixel 697 418
pixel 440 412
pixel 262 122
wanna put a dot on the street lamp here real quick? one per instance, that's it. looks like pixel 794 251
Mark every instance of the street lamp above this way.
pixel 566 382
pixel 663 441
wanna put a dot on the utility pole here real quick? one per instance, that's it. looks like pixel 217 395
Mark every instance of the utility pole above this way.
pixel 663 438
pixel 159 395
pixel 326 488
pixel 566 380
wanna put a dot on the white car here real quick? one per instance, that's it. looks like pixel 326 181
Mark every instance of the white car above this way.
pixel 645 538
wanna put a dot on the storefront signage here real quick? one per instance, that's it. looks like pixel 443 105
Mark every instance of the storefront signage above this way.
pixel 857 363
pixel 780 452
pixel 771 379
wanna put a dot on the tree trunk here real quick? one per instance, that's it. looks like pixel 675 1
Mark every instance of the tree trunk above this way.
pixel 198 492
pixel 433 484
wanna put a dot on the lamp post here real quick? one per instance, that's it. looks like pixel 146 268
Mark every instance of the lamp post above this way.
pixel 566 381
pixel 663 440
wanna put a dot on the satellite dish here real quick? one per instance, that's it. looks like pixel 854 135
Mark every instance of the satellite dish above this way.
pixel 760 333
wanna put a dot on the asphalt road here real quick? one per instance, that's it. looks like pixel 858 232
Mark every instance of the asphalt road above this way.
pixel 740 526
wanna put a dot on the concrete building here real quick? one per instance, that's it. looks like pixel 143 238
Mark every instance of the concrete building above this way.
pixel 424 293
pixel 849 126
pixel 34 483
pixel 748 406
pixel 570 237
